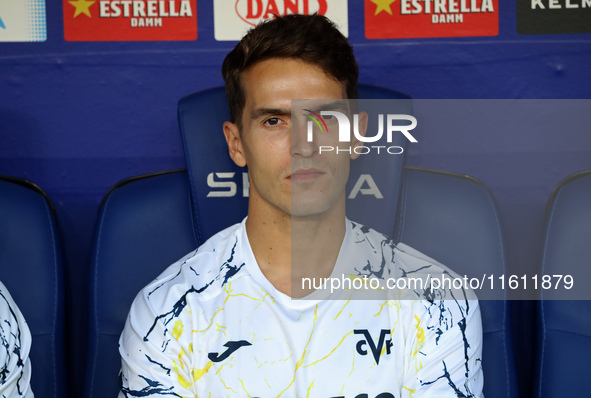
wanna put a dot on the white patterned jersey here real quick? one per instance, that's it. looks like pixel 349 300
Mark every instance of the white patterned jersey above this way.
pixel 212 325
pixel 15 366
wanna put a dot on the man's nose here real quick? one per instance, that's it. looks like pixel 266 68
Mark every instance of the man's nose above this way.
pixel 302 142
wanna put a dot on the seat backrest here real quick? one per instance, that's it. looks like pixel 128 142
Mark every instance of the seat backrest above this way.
pixel 31 267
pixel 219 188
pixel 564 326
pixel 454 219
pixel 144 225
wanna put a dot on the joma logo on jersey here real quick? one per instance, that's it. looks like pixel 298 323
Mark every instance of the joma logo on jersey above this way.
pixel 130 20
pixel 369 342
pixel 231 347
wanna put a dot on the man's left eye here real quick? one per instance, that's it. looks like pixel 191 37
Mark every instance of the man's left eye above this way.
pixel 273 121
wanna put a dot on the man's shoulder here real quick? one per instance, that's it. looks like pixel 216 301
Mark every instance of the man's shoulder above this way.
pixel 381 251
pixel 398 261
pixel 9 311
pixel 396 253
pixel 203 272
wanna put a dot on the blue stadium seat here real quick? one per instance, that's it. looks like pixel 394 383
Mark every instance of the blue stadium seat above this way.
pixel 147 223
pixel 31 267
pixel 564 326
pixel 453 218
pixel 144 225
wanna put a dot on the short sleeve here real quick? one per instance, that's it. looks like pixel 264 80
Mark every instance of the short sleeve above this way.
pixel 154 363
pixel 444 350
pixel 15 366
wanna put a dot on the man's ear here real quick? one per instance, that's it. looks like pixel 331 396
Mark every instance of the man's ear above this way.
pixel 362 130
pixel 234 141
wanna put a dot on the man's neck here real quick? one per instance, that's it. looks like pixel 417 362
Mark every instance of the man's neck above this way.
pixel 290 248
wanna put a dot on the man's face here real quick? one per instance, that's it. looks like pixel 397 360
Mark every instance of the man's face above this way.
pixel 287 173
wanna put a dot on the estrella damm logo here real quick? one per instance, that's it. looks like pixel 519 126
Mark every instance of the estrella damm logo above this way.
pixel 405 19
pixel 130 20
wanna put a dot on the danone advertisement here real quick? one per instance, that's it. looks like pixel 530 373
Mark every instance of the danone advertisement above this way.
pixel 233 18
pixel 130 20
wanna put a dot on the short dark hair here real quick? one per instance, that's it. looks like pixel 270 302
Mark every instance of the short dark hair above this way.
pixel 310 38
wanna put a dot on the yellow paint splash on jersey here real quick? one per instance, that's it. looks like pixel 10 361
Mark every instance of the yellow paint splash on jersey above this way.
pixel 226 387
pixel 339 313
pixel 220 309
pixel 177 330
pixel 181 378
pixel 198 373
pixel 381 308
pixel 352 369
pixel 309 388
pixel 330 353
pixel 410 390
pixel 420 343
pixel 228 288
pixel 181 359
pixel 241 382
pixel 420 335
pixel 304 354
pixel 220 368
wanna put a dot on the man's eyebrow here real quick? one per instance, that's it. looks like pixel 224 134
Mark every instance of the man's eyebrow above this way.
pixel 339 105
pixel 257 113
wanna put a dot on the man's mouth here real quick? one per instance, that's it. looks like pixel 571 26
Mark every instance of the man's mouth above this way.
pixel 305 174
